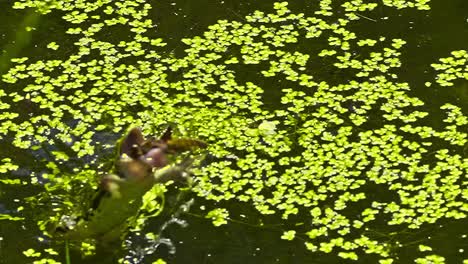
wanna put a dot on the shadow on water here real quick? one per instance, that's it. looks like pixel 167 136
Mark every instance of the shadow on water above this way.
pixel 19 40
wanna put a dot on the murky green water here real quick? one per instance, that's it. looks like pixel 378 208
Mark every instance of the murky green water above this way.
pixel 250 235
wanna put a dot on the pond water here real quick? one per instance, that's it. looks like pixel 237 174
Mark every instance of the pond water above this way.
pixel 337 130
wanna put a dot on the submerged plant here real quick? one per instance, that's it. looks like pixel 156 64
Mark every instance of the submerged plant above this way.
pixel 308 121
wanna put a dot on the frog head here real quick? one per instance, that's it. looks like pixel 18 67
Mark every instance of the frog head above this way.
pixel 138 156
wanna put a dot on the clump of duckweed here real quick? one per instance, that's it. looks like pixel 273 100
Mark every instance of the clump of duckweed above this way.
pixel 318 157
pixel 452 68
pixel 400 4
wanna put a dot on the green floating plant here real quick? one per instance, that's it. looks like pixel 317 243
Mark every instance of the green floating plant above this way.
pixel 289 235
pixel 452 68
pixel 219 216
pixel 430 259
pixel 319 152
pixel 400 4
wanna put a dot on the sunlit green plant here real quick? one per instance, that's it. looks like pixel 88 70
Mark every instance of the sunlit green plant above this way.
pixel 319 153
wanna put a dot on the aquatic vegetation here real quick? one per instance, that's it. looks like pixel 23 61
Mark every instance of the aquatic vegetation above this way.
pixel 418 4
pixel 308 121
pixel 452 68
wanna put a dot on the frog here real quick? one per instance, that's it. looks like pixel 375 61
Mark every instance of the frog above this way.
pixel 140 164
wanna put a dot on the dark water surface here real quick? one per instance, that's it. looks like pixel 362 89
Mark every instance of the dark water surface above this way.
pixel 429 34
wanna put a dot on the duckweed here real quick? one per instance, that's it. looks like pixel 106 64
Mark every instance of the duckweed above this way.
pixel 319 153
